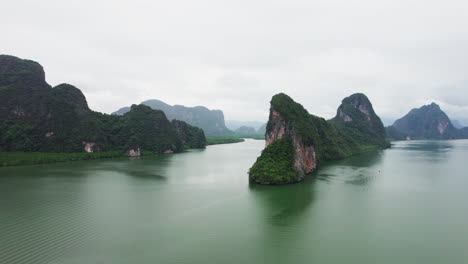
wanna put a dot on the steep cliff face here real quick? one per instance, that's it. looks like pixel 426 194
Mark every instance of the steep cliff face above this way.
pixel 211 121
pixel 427 122
pixel 305 157
pixel 296 142
pixel 356 118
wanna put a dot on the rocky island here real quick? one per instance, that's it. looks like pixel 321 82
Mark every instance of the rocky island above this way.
pixel 297 142
pixel 36 117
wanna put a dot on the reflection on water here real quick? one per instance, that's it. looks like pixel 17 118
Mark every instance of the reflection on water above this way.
pixel 356 170
pixel 283 204
pixel 402 205
pixel 434 150
pixel 425 145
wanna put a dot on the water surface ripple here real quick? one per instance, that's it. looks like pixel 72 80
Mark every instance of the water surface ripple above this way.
pixel 407 204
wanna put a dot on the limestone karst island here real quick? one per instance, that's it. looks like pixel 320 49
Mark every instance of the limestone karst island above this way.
pixel 234 132
pixel 297 142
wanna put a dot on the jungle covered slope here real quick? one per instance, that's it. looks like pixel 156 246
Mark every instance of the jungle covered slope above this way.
pixel 297 142
pixel 274 166
pixel 191 136
pixel 38 118
pixel 311 139
pixel 356 118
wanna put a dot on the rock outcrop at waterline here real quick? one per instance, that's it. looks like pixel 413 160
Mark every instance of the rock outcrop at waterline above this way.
pixel 297 142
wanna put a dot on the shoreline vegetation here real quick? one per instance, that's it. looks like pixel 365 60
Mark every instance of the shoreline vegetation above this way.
pixel 31 158
pixel 8 159
pixel 233 138
pixel 219 141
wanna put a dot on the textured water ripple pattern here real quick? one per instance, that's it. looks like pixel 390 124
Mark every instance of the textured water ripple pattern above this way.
pixel 40 235
pixel 402 205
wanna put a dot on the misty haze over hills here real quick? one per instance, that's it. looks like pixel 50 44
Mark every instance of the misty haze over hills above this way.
pixel 426 122
pixel 320 51
pixel 235 124
pixel 211 121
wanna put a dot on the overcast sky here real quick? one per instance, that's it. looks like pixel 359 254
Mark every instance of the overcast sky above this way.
pixel 234 55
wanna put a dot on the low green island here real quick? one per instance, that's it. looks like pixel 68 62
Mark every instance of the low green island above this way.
pixel 231 138
pixel 223 140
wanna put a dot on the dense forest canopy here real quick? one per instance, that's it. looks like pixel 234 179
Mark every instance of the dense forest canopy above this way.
pixel 36 117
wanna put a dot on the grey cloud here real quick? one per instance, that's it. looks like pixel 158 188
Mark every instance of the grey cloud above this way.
pixel 234 55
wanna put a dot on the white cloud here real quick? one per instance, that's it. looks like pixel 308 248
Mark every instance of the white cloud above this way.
pixel 234 55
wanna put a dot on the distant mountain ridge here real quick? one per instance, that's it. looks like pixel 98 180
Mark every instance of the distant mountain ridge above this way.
pixel 456 124
pixel 426 122
pixel 245 130
pixel 235 124
pixel 211 121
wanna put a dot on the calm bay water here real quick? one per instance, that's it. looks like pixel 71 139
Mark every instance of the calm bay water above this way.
pixel 408 204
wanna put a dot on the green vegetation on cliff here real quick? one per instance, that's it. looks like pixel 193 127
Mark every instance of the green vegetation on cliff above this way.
pixel 37 118
pixel 275 165
pixel 356 118
pixel 147 129
pixel 328 141
pixel 314 140
pixel 192 137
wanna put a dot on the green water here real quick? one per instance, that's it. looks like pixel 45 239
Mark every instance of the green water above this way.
pixel 408 204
